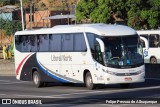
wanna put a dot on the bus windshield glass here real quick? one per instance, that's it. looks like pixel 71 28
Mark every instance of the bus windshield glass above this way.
pixel 123 51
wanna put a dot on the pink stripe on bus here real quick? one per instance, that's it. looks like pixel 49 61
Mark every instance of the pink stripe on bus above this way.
pixel 19 66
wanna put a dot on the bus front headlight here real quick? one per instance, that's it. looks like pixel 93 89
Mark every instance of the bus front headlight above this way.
pixel 140 71
pixel 112 73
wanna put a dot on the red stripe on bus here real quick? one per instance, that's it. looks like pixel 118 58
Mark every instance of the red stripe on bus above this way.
pixel 19 66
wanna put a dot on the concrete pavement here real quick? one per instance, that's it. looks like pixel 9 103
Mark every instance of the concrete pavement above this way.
pixel 7 68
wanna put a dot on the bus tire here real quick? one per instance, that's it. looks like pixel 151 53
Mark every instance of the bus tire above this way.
pixel 124 85
pixel 37 80
pixel 153 60
pixel 89 82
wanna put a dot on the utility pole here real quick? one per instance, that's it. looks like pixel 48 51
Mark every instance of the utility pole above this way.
pixel 22 15
pixel 75 12
pixel 31 15
pixel 1 26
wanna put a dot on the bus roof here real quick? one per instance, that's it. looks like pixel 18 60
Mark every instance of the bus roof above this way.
pixel 99 29
pixel 148 32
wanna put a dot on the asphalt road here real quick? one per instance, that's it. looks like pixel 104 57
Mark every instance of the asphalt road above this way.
pixel 77 95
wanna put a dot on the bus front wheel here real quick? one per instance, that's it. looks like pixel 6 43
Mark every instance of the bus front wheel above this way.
pixel 37 80
pixel 153 60
pixel 89 82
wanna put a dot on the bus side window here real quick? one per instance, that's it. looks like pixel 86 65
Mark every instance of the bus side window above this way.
pixel 42 43
pixel 95 47
pixel 154 40
pixel 92 41
pixel 79 43
pixel 98 54
pixel 55 43
pixel 143 44
pixel 67 42
pixel 18 42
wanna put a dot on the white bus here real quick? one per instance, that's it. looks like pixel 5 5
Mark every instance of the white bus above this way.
pixel 91 54
pixel 152 55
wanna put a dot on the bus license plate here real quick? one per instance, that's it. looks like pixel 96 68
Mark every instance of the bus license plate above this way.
pixel 128 79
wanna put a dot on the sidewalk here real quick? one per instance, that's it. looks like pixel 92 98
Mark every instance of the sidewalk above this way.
pixel 7 68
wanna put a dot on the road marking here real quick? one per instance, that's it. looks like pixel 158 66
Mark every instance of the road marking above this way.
pixel 13 82
pixel 108 91
pixel 75 90
pixel 5 80
pixel 153 96
pixel 33 96
pixel 2 94
pixel 88 92
pixel 112 105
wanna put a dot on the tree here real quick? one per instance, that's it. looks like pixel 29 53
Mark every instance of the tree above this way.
pixel 84 9
pixel 4 2
pixel 140 14
pixel 10 27
pixel 8 2
pixel 42 5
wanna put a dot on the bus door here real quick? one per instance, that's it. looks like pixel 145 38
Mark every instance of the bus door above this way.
pixel 145 46
pixel 79 57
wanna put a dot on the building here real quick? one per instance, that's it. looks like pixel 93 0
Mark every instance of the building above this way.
pixel 39 19
pixel 10 12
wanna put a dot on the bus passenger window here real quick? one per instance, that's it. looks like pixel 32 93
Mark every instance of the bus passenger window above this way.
pixel 55 43
pixel 79 43
pixel 43 43
pixel 154 40
pixel 67 42
pixel 18 42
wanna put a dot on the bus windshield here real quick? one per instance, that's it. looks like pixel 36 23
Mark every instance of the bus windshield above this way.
pixel 123 51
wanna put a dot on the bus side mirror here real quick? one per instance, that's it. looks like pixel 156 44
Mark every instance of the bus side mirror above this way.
pixel 145 41
pixel 101 43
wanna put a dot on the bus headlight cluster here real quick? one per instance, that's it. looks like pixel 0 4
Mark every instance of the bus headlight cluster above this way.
pixel 125 74
pixel 112 73
pixel 109 72
pixel 140 71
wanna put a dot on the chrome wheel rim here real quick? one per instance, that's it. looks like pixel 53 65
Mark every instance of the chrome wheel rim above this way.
pixel 89 81
pixel 36 79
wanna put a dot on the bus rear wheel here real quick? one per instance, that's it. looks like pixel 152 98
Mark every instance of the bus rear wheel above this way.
pixel 37 80
pixel 89 82
pixel 153 60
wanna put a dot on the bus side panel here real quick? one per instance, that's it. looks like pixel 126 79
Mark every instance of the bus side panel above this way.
pixel 32 65
pixel 154 52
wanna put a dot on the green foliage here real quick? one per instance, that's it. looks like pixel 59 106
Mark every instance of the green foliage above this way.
pixel 42 5
pixel 84 9
pixel 139 14
pixel 12 48
pixel 8 2
pixel 10 26
pixel 4 2
pixel 101 14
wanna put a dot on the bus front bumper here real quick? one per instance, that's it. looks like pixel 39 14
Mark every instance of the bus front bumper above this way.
pixel 112 79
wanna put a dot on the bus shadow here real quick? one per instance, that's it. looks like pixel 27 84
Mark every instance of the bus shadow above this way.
pixel 152 76
pixel 147 83
pixel 152 70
